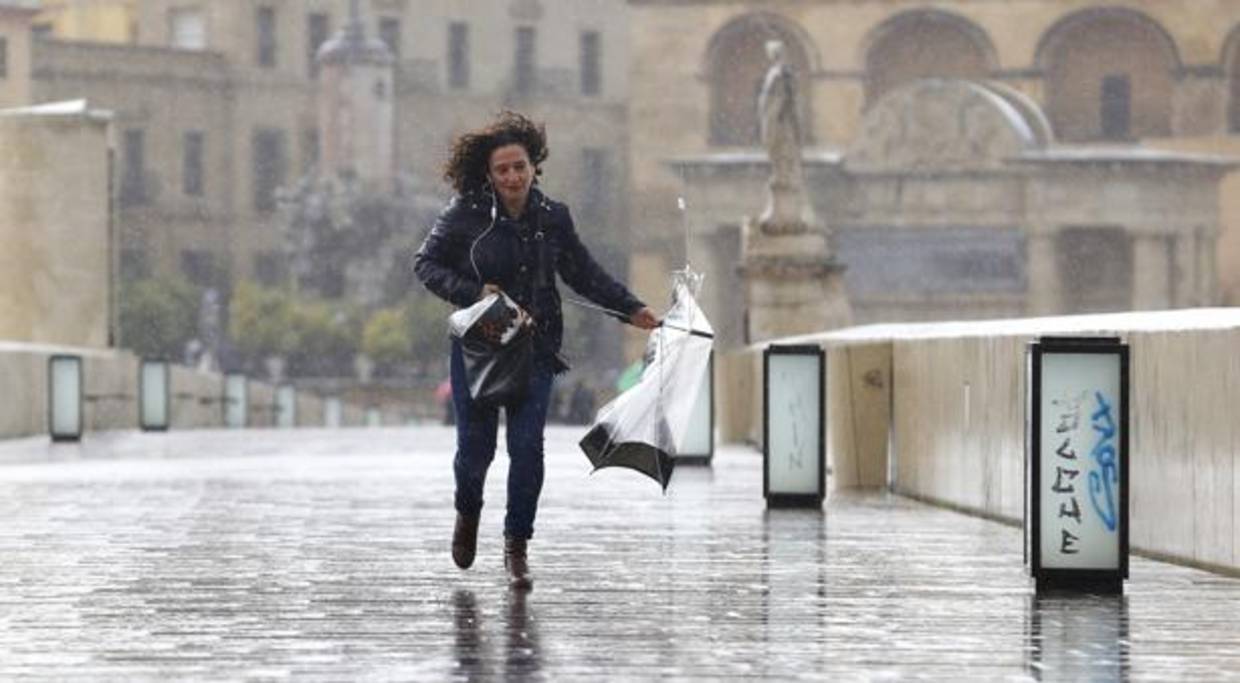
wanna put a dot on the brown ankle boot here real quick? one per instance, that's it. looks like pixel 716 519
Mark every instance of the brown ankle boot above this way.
pixel 465 540
pixel 516 563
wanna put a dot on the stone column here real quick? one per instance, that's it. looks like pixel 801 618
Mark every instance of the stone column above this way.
pixel 792 284
pixel 1208 240
pixel 1151 272
pixel 1043 273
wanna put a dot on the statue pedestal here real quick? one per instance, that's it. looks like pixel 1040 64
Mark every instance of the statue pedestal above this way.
pixel 793 285
pixel 786 212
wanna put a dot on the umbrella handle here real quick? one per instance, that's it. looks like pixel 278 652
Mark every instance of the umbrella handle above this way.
pixel 622 316
pixel 596 307
pixel 696 333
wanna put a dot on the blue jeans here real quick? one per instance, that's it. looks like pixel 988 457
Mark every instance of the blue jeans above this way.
pixel 476 430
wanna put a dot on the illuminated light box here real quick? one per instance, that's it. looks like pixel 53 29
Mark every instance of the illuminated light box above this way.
pixel 236 401
pixel 64 397
pixel 1076 502
pixel 286 407
pixel 154 381
pixel 793 452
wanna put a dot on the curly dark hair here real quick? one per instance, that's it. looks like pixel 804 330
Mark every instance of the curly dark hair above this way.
pixel 470 157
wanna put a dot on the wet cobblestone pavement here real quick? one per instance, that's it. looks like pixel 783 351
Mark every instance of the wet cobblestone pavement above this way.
pixel 324 555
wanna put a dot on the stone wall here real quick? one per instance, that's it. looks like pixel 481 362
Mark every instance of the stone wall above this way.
pixel 55 227
pixel 111 394
pixel 937 412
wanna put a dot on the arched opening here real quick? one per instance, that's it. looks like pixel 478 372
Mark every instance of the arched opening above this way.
pixel 736 63
pixel 1109 76
pixel 924 44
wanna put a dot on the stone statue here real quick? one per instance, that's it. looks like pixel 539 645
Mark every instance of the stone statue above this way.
pixel 780 123
pixel 793 285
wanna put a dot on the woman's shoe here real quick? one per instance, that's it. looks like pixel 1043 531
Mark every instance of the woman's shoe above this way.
pixel 517 564
pixel 465 540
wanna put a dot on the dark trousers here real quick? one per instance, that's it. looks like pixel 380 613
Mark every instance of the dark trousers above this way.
pixel 476 432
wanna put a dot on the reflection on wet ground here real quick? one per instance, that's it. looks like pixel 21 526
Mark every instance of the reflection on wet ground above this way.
pixel 324 555
pixel 1075 637
pixel 508 648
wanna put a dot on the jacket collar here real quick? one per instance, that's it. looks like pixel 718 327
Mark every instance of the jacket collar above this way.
pixel 482 200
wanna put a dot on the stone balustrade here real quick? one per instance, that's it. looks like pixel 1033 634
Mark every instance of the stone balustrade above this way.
pixel 111 393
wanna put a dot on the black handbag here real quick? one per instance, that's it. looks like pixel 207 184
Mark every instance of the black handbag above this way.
pixel 498 350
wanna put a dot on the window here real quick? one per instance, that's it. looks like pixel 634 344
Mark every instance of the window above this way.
pixel 1116 107
pixel 198 266
pixel 269 268
pixel 595 170
pixel 133 178
pixel 458 55
pixel 265 26
pixel 187 28
pixel 42 30
pixel 192 164
pixel 389 33
pixel 1095 268
pixel 1233 107
pixel 318 28
pixel 134 265
pixel 523 61
pixel 591 63
pixel 4 57
pixel 269 165
pixel 309 149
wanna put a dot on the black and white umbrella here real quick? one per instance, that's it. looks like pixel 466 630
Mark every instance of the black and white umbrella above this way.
pixel 646 426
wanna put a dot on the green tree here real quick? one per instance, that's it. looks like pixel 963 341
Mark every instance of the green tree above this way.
pixel 427 316
pixel 158 316
pixel 387 338
pixel 260 322
pixel 326 338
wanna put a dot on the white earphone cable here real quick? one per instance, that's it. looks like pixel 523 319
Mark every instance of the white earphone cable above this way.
pixel 474 245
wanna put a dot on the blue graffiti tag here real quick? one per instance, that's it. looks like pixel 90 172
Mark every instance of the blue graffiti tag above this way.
pixel 1104 454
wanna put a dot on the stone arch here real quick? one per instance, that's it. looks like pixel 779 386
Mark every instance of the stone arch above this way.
pixel 1109 75
pixel 735 64
pixel 924 43
pixel 1230 60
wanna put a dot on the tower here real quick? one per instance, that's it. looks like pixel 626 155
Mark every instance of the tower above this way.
pixel 357 106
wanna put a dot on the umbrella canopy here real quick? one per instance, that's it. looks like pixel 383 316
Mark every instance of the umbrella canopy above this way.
pixel 645 427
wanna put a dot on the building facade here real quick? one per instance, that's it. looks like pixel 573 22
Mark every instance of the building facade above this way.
pixel 215 107
pixel 1123 79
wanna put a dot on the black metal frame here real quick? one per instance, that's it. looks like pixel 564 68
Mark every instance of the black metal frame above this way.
pixel 142 424
pixel 245 401
pixel 51 398
pixel 783 500
pixel 1085 580
pixel 705 458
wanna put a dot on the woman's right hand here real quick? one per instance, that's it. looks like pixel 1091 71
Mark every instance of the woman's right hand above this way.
pixel 488 289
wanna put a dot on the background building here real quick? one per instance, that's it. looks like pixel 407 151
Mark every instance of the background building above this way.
pixel 215 108
pixel 1108 77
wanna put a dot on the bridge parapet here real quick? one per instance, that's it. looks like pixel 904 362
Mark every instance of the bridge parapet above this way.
pixel 937 412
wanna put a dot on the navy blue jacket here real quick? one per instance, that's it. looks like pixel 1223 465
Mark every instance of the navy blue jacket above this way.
pixel 521 256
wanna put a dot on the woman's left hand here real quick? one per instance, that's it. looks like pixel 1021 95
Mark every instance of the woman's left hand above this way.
pixel 644 318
